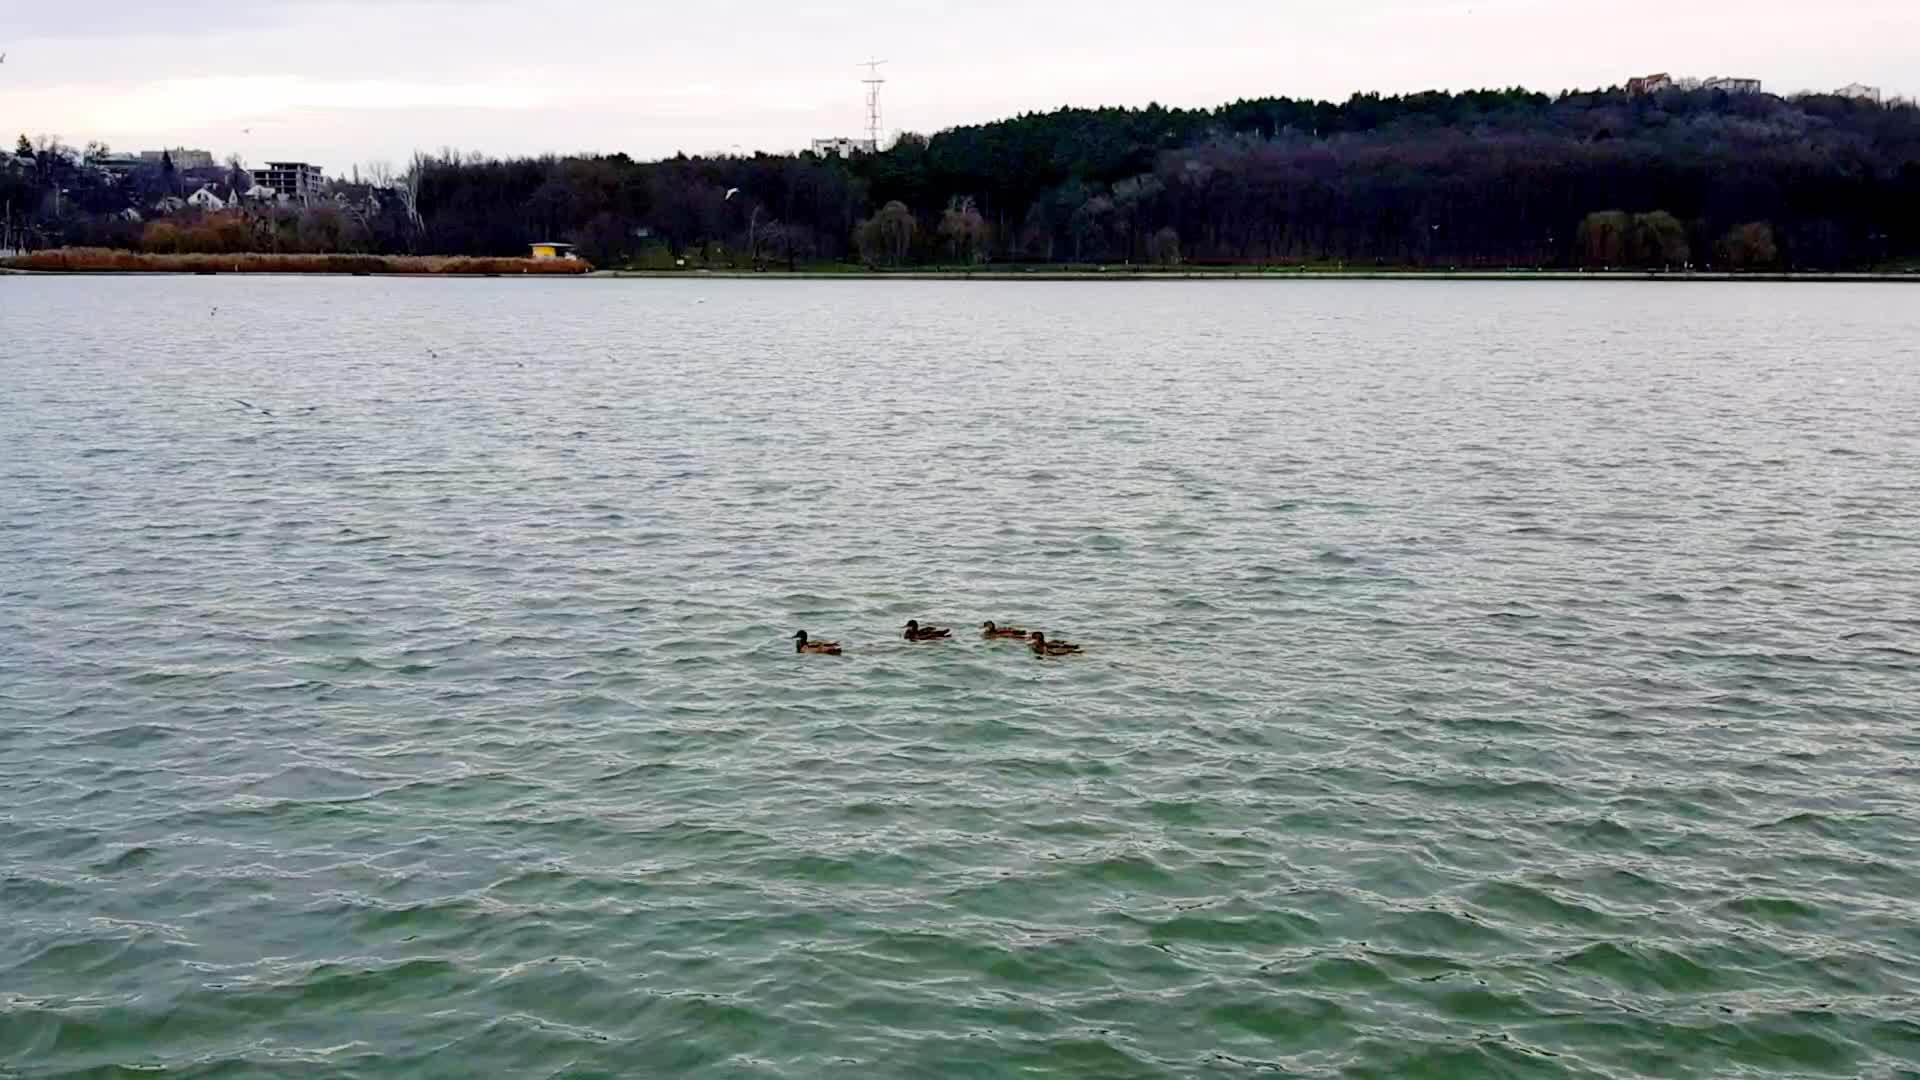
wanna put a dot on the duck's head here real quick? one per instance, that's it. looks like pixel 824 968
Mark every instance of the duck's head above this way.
pixel 913 625
pixel 801 637
pixel 988 626
pixel 1037 638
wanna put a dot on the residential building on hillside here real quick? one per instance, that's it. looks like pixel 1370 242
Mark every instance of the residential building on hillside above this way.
pixel 292 179
pixel 181 157
pixel 1733 85
pixel 118 166
pixel 1649 84
pixel 843 147
pixel 1860 92
pixel 205 199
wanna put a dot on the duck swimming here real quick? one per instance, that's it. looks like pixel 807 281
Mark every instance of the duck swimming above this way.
pixel 1043 647
pixel 916 632
pixel 801 644
pixel 990 629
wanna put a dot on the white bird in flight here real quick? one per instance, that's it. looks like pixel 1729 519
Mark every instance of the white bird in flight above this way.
pixel 732 191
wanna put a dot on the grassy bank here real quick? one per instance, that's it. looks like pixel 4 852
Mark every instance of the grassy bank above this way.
pixel 1317 270
pixel 106 261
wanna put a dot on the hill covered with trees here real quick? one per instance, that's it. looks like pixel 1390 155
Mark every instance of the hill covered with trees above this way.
pixel 1479 179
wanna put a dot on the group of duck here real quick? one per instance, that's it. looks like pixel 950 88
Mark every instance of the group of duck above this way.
pixel 1037 640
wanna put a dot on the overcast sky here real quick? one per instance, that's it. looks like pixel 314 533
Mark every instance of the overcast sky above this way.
pixel 344 81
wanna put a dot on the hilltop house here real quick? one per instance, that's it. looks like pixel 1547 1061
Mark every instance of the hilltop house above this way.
pixel 1649 84
pixel 364 199
pixel 180 156
pixel 1732 85
pixel 116 167
pixel 205 199
pixel 293 179
pixel 844 147
pixel 1859 92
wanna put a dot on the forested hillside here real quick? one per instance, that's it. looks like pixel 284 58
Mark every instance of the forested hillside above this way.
pixel 1482 179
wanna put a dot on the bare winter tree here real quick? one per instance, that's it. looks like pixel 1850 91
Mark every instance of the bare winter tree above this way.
pixel 886 236
pixel 965 230
pixel 410 187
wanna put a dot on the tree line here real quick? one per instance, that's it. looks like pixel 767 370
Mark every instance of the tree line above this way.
pixel 1490 178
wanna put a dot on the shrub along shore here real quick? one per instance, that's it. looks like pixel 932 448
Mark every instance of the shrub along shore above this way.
pixel 105 260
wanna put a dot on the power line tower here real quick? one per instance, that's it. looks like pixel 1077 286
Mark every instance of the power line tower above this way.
pixel 874 83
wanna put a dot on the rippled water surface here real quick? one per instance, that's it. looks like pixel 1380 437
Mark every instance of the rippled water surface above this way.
pixel 1482 680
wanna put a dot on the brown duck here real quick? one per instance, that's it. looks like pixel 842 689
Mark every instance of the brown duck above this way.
pixel 802 644
pixel 994 630
pixel 916 632
pixel 1043 647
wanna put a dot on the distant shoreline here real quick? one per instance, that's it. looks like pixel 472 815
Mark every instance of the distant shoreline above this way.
pixel 1128 276
pixel 1251 275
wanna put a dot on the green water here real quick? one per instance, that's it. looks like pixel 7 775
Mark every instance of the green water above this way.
pixel 1482 680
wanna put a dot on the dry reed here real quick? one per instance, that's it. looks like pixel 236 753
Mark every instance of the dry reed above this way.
pixel 106 260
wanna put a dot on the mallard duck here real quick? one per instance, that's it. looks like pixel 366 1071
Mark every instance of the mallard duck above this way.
pixel 990 629
pixel 916 632
pixel 801 644
pixel 1043 647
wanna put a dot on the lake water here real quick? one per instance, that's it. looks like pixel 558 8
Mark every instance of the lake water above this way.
pixel 1481 679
